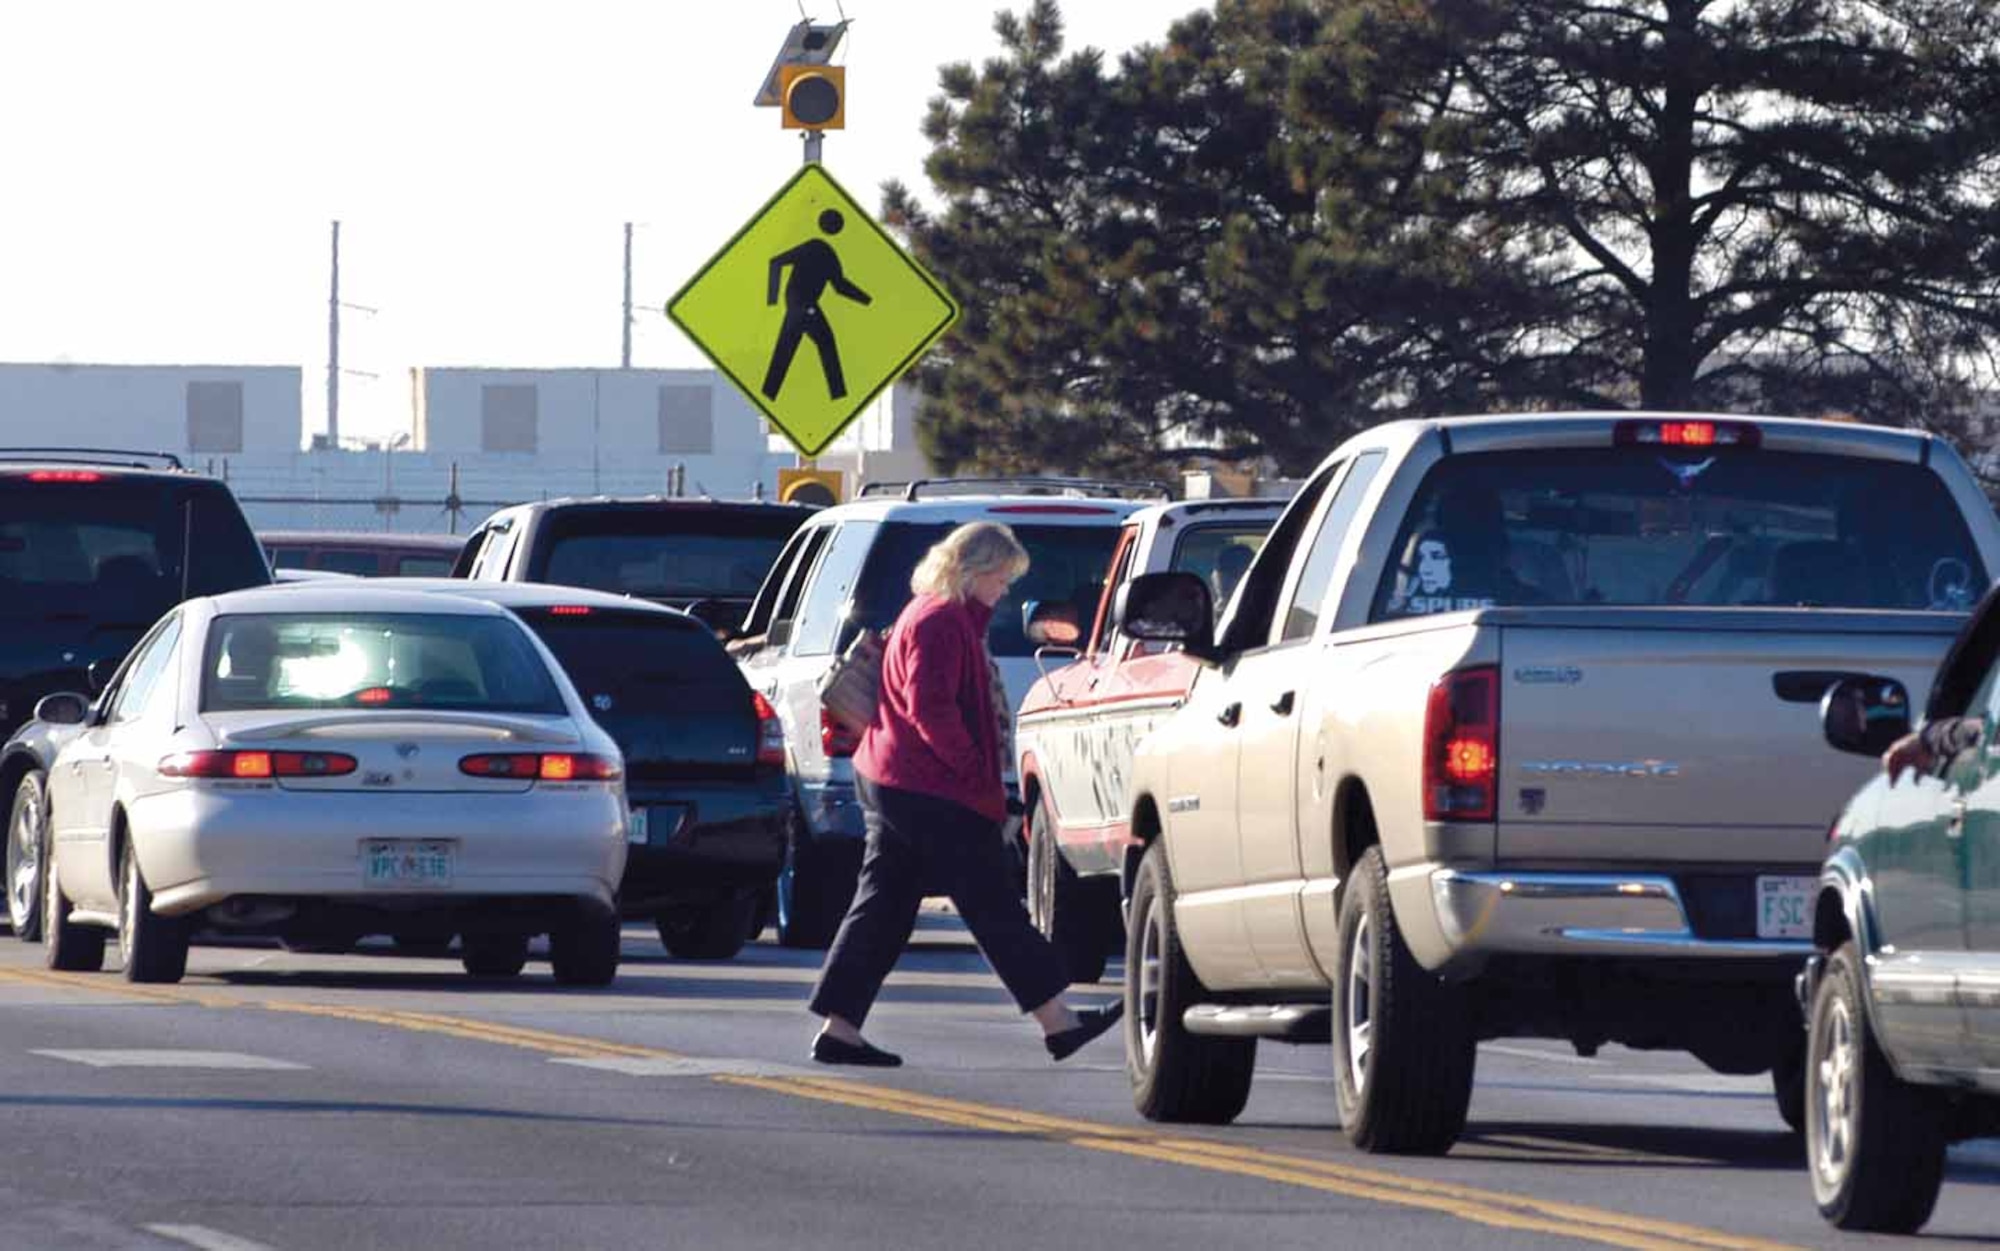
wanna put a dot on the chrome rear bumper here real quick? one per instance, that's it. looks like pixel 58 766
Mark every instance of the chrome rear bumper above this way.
pixel 1607 914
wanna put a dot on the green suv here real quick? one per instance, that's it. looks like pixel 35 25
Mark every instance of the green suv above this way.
pixel 1902 997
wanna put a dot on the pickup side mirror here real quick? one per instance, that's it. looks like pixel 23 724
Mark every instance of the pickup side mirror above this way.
pixel 1168 608
pixel 723 620
pixel 1051 623
pixel 63 708
pixel 1864 715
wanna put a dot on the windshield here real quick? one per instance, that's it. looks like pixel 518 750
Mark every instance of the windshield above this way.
pixel 1654 526
pixel 392 661
pixel 111 551
pixel 1066 563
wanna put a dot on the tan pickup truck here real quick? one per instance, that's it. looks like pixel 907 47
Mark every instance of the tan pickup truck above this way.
pixel 1512 730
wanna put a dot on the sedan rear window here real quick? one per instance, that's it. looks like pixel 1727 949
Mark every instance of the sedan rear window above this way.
pixel 641 662
pixel 391 661
pixel 1653 525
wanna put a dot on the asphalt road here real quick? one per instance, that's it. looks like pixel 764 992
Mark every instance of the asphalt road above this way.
pixel 277 1100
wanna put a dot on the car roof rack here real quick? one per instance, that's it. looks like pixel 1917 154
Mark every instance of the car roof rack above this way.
pixel 1073 488
pixel 94 456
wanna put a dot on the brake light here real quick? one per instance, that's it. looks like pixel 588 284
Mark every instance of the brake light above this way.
pixel 1687 434
pixel 835 739
pixel 770 732
pixel 65 475
pixel 542 767
pixel 257 765
pixel 374 695
pixel 1462 746
pixel 570 610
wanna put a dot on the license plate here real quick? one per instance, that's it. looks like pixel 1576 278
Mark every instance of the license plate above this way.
pixel 406 862
pixel 1784 906
pixel 657 824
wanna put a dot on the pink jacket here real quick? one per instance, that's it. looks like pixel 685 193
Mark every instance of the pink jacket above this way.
pixel 936 730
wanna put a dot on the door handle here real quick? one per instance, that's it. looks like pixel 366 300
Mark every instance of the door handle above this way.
pixel 1231 715
pixel 1283 704
pixel 1955 828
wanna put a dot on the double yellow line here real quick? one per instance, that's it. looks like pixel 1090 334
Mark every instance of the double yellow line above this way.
pixel 1499 1209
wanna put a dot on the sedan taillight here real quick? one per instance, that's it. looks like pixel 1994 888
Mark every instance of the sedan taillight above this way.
pixel 1462 746
pixel 542 767
pixel 257 765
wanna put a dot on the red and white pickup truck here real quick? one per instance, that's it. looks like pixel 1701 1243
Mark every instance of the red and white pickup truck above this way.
pixel 1079 724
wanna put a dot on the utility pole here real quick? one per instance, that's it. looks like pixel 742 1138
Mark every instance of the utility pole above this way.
pixel 625 357
pixel 333 348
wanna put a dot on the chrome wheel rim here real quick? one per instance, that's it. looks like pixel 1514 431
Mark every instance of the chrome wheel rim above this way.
pixel 1042 881
pixel 1152 945
pixel 24 860
pixel 1835 1108
pixel 1358 1002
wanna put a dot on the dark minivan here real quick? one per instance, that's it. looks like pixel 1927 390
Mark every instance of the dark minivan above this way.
pixel 95 546
pixel 701 554
pixel 704 757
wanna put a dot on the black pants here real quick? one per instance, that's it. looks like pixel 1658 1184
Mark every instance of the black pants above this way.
pixel 919 845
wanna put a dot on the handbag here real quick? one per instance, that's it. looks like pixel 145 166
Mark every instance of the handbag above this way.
pixel 852 686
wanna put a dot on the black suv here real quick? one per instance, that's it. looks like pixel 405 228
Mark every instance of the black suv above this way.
pixel 706 555
pixel 95 546
pixel 704 757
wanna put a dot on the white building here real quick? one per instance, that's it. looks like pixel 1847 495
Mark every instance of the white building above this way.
pixel 502 436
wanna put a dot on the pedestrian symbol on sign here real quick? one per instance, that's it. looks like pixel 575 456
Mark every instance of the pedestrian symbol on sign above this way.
pixel 815 267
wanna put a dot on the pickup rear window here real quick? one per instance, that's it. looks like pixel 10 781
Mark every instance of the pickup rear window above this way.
pixel 1667 526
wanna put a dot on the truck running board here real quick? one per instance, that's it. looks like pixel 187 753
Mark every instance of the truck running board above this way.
pixel 1292 1022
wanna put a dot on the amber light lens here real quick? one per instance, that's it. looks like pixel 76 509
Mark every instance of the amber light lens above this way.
pixel 1468 760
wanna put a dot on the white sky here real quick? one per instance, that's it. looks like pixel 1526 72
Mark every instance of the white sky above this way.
pixel 170 169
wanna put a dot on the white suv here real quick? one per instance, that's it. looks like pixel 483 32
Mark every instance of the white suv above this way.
pixel 848 568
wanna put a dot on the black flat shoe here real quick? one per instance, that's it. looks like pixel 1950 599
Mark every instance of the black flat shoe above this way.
pixel 1065 1043
pixel 830 1050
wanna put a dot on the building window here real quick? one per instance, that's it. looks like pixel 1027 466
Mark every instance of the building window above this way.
pixel 215 417
pixel 686 422
pixel 507 416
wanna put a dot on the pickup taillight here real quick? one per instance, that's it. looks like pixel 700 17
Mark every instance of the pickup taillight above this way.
pixel 1462 746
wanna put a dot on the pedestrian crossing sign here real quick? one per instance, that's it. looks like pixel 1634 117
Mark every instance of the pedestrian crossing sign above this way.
pixel 812 309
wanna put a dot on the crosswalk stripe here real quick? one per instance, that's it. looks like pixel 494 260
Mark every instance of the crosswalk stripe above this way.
pixel 153 1058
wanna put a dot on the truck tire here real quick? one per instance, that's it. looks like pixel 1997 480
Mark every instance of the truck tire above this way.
pixel 27 852
pixel 715 931
pixel 493 955
pixel 585 950
pixel 1175 1075
pixel 1788 1085
pixel 1059 903
pixel 1875 1144
pixel 155 948
pixel 815 887
pixel 1403 1047
pixel 67 945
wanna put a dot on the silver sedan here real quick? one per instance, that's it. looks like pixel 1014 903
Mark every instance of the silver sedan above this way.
pixel 323 764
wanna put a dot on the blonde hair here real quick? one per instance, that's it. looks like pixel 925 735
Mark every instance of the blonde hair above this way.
pixel 971 551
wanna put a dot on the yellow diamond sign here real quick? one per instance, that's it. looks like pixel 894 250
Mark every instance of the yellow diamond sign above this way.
pixel 812 309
